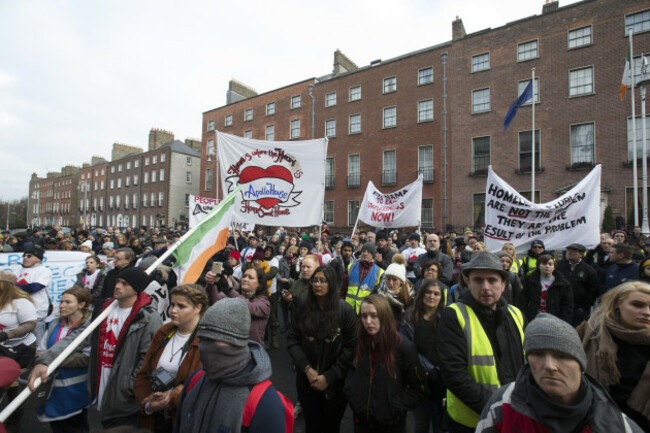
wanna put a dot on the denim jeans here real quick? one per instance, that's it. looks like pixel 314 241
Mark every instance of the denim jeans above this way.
pixel 426 417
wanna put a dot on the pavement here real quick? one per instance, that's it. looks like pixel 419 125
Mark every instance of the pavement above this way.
pixel 283 379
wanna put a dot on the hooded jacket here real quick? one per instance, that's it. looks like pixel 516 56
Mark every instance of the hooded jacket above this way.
pixel 218 406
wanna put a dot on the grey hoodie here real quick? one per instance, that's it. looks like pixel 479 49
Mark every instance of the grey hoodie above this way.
pixel 219 406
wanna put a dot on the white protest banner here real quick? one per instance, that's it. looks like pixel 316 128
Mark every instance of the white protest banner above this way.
pixel 201 206
pixel 283 182
pixel 65 265
pixel 401 208
pixel 573 217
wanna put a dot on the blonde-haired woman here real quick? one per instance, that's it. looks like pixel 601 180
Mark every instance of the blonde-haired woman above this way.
pixel 617 342
pixel 509 248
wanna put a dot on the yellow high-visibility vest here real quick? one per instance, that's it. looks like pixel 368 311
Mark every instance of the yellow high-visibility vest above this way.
pixel 481 367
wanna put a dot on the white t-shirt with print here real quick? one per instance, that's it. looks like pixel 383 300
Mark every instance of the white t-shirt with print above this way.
pixel 114 323
pixel 411 254
pixel 41 275
pixel 12 315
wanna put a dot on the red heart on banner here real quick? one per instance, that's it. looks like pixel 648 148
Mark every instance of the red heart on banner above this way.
pixel 252 173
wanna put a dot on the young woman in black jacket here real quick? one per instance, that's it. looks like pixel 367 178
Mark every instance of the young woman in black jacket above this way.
pixel 547 291
pixel 321 342
pixel 387 380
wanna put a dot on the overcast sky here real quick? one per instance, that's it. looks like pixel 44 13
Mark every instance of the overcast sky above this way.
pixel 77 76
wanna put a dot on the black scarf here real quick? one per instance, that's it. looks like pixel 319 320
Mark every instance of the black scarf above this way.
pixel 559 417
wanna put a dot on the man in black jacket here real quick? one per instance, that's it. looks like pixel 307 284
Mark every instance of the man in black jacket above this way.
pixel 492 329
pixel 124 258
pixel 583 279
pixel 434 253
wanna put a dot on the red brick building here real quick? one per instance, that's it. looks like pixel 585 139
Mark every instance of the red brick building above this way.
pixel 387 121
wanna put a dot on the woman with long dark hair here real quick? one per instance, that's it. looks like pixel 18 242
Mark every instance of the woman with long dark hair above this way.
pixel 420 327
pixel 67 407
pixel 254 291
pixel 172 356
pixel 387 380
pixel 321 342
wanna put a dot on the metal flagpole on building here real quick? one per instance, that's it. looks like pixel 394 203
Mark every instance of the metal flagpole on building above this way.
pixel 644 163
pixel 532 164
pixel 634 156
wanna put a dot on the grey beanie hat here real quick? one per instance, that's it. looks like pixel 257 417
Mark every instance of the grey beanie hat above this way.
pixel 547 332
pixel 369 246
pixel 227 320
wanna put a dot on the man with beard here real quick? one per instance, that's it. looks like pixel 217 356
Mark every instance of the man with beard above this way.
pixel 434 253
pixel 341 264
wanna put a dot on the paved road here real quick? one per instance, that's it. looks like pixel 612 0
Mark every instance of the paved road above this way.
pixel 283 379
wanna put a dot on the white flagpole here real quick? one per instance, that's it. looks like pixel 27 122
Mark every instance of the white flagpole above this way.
pixel 95 323
pixel 634 155
pixel 532 168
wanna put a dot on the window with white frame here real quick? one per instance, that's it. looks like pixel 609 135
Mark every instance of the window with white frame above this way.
pixel 96 185
pixel 111 202
pixel 353 212
pixel 390 117
pixel 481 100
pixel 101 203
pixel 162 157
pixel 188 160
pixel 330 99
pixel 112 184
pixel 390 84
pixel 136 163
pixel 146 177
pixel 113 169
pixel 188 177
pixel 208 179
pixel 480 154
pixel 639 21
pixel 248 133
pixel 153 199
pixel 102 185
pixel 481 62
pixel 525 151
pixel 135 201
pixel 95 203
pixel 153 176
pixel 248 115
pixel 581 81
pixel 227 121
pixel 521 86
pixel 119 182
pixel 354 171
pixel 389 168
pixel 269 134
pixel 128 165
pixel 295 101
pixel 355 123
pixel 117 201
pixel 579 37
pixel 426 217
pixel 162 175
pixel 527 50
pixel 119 168
pixel 187 200
pixel 425 110
pixel 425 163
pixel 330 128
pixel 329 173
pixel 639 137
pixel 146 161
pixel 127 181
pixel 135 179
pixel 154 159
pixel 328 211
pixel 295 128
pixel 126 201
pixel 210 125
pixel 583 144
pixel 270 108
pixel 355 93
pixel 425 76
pixel 161 199
pixel 103 173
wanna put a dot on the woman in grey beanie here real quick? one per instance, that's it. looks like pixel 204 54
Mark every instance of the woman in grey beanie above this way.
pixel 551 392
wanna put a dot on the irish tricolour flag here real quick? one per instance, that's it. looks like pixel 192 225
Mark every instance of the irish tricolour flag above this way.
pixel 199 244
pixel 625 81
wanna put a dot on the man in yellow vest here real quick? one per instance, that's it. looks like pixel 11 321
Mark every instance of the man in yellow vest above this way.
pixel 480 342
pixel 529 263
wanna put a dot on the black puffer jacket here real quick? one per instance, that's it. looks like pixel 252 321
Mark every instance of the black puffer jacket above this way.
pixel 584 282
pixel 331 357
pixel 378 399
pixel 559 297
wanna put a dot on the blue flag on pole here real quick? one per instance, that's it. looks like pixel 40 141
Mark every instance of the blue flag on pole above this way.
pixel 525 96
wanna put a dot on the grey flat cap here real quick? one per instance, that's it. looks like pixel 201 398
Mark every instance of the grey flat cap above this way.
pixel 487 261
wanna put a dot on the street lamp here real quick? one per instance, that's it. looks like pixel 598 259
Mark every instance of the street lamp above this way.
pixel 643 82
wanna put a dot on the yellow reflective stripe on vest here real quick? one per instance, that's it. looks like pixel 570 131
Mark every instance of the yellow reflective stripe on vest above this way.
pixel 481 366
pixel 355 294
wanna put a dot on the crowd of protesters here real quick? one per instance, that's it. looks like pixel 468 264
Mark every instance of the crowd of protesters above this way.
pixel 383 322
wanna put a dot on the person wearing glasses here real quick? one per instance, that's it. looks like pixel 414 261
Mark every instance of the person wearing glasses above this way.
pixel 321 342
pixel 529 263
